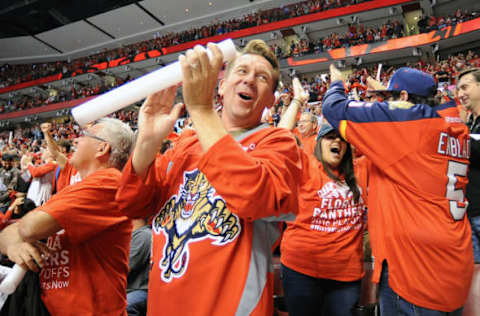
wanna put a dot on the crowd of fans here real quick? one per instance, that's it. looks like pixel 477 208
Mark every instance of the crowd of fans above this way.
pixel 356 34
pixel 29 138
pixel 14 74
pixel 444 71
pixel 29 141
pixel 431 23
pixel 76 91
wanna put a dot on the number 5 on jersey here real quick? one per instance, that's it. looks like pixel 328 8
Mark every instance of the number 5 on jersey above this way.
pixel 455 195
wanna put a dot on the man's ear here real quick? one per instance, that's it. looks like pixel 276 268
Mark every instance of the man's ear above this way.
pixel 403 95
pixel 103 151
pixel 221 87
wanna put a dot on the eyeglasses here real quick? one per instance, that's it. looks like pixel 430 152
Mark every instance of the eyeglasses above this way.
pixel 304 121
pixel 85 133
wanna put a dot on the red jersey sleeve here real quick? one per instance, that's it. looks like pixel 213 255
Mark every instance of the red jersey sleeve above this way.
pixel 136 197
pixel 65 175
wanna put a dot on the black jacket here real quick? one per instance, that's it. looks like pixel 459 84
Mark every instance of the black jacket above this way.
pixel 26 300
pixel 473 187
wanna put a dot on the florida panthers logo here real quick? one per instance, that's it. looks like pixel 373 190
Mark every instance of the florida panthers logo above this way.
pixel 194 214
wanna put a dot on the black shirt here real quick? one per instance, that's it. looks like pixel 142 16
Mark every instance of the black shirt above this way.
pixel 473 187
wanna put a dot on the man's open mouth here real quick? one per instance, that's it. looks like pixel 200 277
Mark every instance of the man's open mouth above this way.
pixel 245 96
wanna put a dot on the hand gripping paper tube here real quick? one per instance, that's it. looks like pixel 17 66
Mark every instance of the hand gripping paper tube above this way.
pixel 138 89
pixel 12 280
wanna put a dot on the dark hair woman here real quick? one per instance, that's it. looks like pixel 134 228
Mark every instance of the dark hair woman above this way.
pixel 321 251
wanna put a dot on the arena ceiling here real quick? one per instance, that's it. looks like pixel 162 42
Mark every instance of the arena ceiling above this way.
pixel 50 30
pixel 42 28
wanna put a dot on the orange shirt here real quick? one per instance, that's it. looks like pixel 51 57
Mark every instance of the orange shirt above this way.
pixel 87 273
pixel 213 231
pixel 67 176
pixel 416 219
pixel 325 240
pixel 308 142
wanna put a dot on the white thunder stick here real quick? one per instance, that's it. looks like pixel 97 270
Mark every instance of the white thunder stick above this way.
pixel 379 71
pixel 139 88
pixel 12 280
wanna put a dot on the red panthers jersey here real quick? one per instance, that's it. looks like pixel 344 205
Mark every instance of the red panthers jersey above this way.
pixel 213 230
pixel 416 199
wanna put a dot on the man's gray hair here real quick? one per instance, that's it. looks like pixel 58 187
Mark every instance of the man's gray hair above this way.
pixel 313 117
pixel 121 139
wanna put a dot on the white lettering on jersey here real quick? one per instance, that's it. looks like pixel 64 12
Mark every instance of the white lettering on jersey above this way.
pixel 453 147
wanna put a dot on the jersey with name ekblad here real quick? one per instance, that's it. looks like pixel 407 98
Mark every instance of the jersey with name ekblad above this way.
pixel 416 202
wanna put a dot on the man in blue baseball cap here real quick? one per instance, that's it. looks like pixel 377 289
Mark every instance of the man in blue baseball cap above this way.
pixel 419 234
pixel 413 81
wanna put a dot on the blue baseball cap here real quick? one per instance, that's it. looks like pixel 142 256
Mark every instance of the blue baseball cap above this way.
pixel 411 80
pixel 324 130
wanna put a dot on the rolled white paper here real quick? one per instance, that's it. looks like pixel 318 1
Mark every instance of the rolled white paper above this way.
pixel 277 97
pixel 379 71
pixel 139 88
pixel 12 280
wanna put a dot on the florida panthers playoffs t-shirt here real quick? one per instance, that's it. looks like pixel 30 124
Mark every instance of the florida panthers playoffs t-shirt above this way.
pixel 87 272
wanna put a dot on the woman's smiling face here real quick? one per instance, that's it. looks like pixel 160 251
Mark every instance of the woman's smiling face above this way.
pixel 333 149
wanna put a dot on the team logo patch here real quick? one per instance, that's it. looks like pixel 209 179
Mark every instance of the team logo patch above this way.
pixel 334 190
pixel 193 215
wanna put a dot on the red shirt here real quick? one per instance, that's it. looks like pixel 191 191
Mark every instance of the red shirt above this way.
pixel 308 142
pixel 87 273
pixel 212 230
pixel 67 176
pixel 326 239
pixel 416 201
